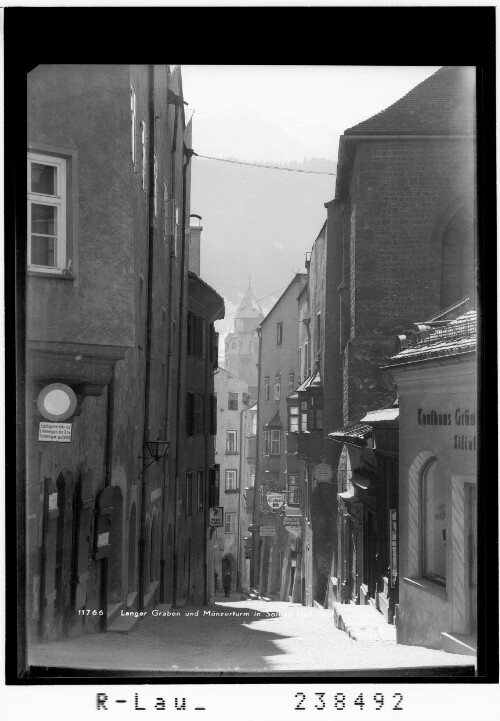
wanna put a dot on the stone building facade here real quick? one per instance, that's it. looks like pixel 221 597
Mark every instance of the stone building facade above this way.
pixel 107 303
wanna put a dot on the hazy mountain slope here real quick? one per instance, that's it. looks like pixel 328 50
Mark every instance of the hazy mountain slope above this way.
pixel 257 222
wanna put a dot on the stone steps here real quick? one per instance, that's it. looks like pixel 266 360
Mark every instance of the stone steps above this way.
pixel 363 623
pixel 459 643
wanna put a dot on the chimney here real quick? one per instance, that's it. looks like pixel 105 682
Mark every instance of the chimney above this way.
pixel 194 244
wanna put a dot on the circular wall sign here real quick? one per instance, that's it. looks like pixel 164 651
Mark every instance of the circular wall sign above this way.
pixel 56 402
pixel 323 472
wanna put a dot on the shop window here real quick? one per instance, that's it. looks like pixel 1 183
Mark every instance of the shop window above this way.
pixel 434 523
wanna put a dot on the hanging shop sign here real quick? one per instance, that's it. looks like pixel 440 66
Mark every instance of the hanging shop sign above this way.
pixel 254 528
pixel 267 531
pixel 57 402
pixel 275 500
pixel 216 516
pixel 323 472
pixel 56 432
pixel 292 521
pixel 393 536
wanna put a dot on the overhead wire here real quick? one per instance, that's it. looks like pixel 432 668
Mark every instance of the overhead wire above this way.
pixel 263 165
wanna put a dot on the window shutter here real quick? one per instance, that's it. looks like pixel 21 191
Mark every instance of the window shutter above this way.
pixel 213 486
pixel 190 429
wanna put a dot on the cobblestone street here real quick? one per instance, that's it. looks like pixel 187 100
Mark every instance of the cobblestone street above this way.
pixel 242 636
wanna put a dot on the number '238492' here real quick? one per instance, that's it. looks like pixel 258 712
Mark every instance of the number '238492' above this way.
pixel 339 701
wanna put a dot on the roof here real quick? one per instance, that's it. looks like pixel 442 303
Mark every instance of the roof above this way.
pixel 443 104
pixel 199 290
pixel 275 421
pixel 353 433
pixel 297 278
pixel 457 337
pixel 313 381
pixel 249 307
pixel 382 414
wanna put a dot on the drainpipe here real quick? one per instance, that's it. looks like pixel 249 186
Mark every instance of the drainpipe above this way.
pixel 163 580
pixel 256 497
pixel 242 449
pixel 180 365
pixel 149 320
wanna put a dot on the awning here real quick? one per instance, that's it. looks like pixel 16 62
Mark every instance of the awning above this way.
pixel 382 414
pixel 275 421
pixel 356 434
pixel 360 481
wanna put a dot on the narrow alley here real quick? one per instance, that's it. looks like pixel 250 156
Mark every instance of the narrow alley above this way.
pixel 240 637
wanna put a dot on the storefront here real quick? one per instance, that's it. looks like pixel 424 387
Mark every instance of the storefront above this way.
pixel 438 440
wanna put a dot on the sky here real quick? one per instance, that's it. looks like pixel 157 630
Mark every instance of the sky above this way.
pixel 266 114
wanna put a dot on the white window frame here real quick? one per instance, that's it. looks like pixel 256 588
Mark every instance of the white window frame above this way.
pixel 231 480
pixel 133 123
pixel 230 522
pixel 293 418
pixel 59 201
pixel 275 443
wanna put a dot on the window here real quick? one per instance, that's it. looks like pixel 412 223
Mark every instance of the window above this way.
pixel 434 523
pixel 265 442
pixel 144 156
pixel 196 336
pixel 232 403
pixel 133 121
pixel 189 494
pixel 279 333
pixel 231 441
pixel 277 388
pixel 275 442
pixel 46 213
pixel 230 523
pixel 254 424
pixel 201 488
pixel 155 185
pixel 234 346
pixel 195 414
pixel 293 488
pixel 291 382
pixel 307 370
pixel 266 388
pixel 293 418
pixel 318 333
pixel 300 363
pixel 214 346
pixel 231 481
pixel 252 477
pixel 314 412
pixel 303 416
pixel 458 277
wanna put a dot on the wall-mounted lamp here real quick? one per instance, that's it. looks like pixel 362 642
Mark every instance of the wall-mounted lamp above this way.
pixel 157 450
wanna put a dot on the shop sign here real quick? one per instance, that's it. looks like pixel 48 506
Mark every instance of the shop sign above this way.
pixel 275 500
pixel 216 516
pixel 461 421
pixel 103 539
pixel 323 472
pixel 254 528
pixel 57 432
pixel 292 521
pixel 267 531
pixel 393 536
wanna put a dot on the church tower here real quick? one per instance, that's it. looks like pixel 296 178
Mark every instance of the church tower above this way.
pixel 242 345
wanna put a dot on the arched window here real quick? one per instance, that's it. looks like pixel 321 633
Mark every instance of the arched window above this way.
pixel 434 523
pixel 458 270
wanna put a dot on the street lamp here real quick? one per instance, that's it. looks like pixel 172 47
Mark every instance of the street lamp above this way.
pixel 157 450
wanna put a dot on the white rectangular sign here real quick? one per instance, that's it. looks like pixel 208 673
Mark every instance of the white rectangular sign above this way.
pixel 58 432
pixel 216 516
pixel 267 531
pixel 103 539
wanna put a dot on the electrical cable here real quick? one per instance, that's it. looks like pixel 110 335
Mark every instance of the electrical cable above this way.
pixel 269 167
